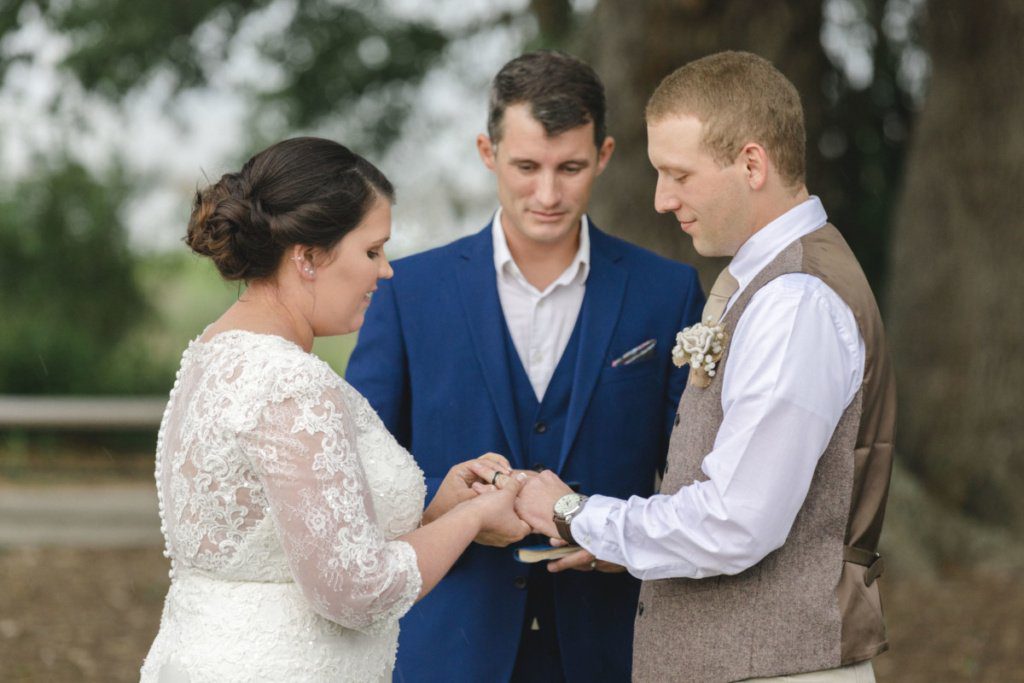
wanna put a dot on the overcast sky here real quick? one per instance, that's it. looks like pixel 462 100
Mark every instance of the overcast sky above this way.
pixel 175 142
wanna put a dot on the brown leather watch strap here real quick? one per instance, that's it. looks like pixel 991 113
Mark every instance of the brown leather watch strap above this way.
pixel 565 530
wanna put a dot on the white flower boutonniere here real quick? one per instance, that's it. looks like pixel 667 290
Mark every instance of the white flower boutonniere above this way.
pixel 701 346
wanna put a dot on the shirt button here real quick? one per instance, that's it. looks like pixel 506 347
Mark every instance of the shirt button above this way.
pixel 640 609
pixel 520 582
pixel 540 428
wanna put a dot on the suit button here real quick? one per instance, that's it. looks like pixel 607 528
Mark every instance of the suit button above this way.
pixel 520 582
pixel 677 419
pixel 540 428
pixel 640 609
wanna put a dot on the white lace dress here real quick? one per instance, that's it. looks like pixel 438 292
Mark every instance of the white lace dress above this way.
pixel 281 495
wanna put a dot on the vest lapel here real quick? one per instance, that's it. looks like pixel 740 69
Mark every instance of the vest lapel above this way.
pixel 602 303
pixel 478 291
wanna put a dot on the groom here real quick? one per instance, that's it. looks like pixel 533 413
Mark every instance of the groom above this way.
pixel 759 555
pixel 544 339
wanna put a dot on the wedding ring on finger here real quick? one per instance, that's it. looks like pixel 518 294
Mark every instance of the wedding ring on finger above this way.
pixel 494 479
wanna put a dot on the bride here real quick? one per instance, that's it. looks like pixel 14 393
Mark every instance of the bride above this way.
pixel 293 520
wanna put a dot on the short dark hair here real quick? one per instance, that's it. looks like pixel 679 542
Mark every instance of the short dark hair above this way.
pixel 563 93
pixel 306 191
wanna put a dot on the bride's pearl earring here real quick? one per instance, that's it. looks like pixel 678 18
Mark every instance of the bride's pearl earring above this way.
pixel 307 269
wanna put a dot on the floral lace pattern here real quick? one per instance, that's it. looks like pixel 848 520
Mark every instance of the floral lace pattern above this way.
pixel 281 495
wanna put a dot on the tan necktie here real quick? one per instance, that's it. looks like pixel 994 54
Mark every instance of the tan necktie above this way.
pixel 725 286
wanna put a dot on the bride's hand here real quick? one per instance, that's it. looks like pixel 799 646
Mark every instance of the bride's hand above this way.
pixel 485 472
pixel 457 484
pixel 499 523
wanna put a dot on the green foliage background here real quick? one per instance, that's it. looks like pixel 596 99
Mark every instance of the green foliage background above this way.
pixel 68 290
pixel 82 314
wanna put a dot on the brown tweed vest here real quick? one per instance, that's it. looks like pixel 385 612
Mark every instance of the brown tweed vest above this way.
pixel 812 604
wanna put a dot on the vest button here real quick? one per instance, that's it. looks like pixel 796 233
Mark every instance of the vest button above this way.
pixel 540 428
pixel 520 582
pixel 677 419
pixel 640 609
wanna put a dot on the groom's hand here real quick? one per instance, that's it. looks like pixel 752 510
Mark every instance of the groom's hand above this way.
pixel 457 485
pixel 536 502
pixel 583 561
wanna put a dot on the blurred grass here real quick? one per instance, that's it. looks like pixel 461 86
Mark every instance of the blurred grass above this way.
pixel 187 294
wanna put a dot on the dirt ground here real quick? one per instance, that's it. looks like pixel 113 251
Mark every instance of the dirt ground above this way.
pixel 89 615
pixel 76 615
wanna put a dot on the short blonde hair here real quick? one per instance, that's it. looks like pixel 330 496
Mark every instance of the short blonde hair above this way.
pixel 740 98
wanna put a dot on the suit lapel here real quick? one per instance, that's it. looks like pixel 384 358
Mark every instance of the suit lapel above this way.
pixel 478 290
pixel 602 303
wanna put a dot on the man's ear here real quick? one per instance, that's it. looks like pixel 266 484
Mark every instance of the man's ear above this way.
pixel 755 164
pixel 487 150
pixel 604 153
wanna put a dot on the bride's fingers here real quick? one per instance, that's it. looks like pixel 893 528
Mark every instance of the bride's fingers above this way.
pixel 498 459
pixel 483 488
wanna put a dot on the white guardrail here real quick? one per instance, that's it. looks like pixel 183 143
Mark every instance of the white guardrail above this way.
pixel 81 412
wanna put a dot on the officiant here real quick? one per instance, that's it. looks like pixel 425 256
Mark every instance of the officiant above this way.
pixel 545 339
pixel 759 554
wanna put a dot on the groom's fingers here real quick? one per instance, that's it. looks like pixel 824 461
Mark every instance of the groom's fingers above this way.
pixel 485 471
pixel 510 482
pixel 579 560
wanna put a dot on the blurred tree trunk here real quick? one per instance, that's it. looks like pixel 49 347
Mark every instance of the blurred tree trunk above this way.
pixel 633 45
pixel 956 318
pixel 954 308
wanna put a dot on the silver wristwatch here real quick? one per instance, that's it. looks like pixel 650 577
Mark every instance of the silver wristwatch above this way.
pixel 567 507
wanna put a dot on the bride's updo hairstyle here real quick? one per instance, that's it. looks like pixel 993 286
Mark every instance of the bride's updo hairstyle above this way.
pixel 307 191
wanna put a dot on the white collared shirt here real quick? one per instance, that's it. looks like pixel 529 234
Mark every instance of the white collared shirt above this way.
pixel 795 363
pixel 540 322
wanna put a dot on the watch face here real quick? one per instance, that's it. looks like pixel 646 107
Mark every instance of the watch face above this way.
pixel 567 504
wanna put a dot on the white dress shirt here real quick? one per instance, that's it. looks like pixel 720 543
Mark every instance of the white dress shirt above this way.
pixel 795 363
pixel 540 323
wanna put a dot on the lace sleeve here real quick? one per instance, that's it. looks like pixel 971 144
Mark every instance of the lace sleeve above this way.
pixel 303 449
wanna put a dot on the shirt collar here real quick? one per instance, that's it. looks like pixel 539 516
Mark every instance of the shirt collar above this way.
pixel 765 244
pixel 506 266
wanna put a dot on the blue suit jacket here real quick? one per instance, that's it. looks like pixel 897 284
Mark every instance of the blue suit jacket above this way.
pixel 431 360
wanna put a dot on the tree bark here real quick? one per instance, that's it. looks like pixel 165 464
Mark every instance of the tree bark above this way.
pixel 633 45
pixel 955 310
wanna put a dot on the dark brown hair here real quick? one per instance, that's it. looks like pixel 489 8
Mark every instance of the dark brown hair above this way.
pixel 740 98
pixel 562 92
pixel 307 191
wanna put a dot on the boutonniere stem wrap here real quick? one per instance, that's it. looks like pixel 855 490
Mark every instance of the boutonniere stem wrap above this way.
pixel 701 347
